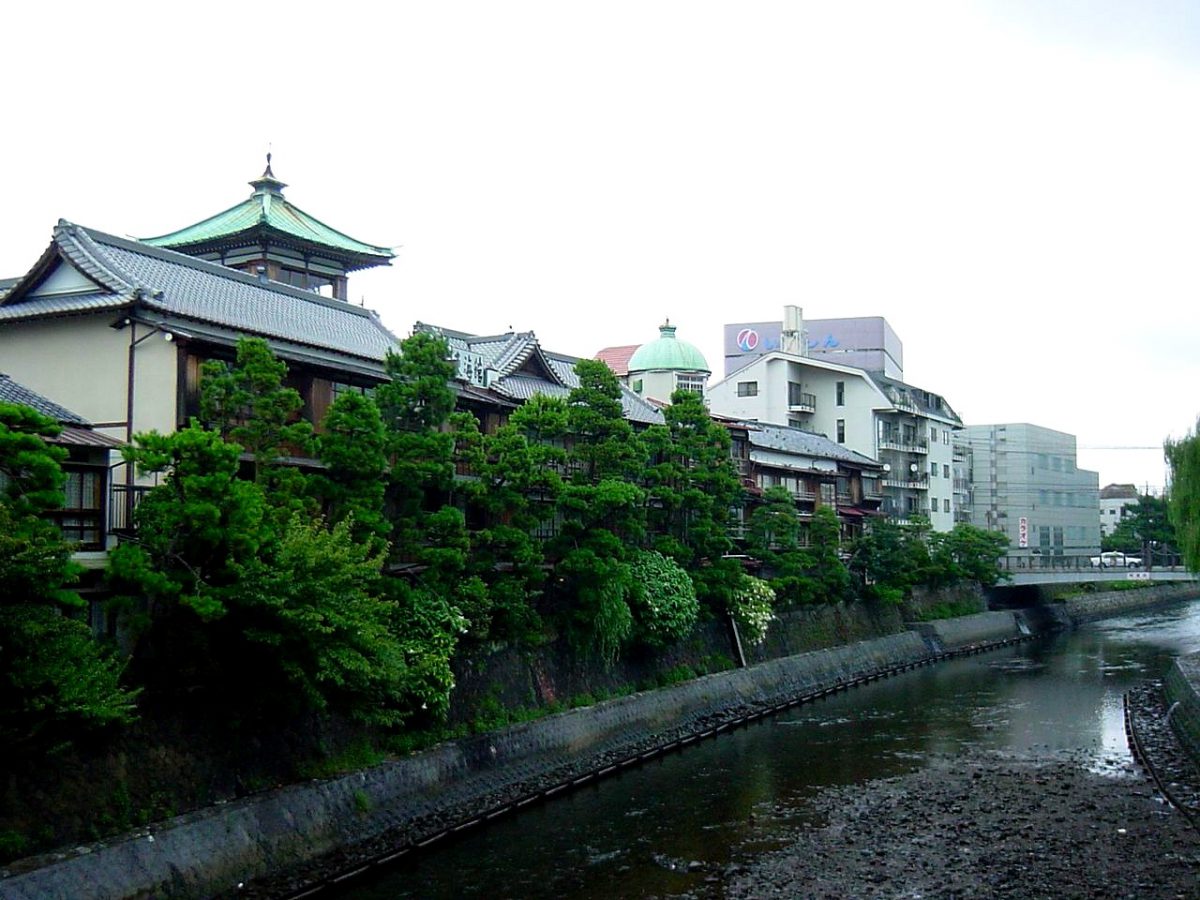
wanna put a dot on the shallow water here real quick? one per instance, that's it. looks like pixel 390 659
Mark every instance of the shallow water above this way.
pixel 660 830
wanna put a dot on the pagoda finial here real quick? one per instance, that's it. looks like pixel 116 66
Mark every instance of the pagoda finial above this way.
pixel 666 329
pixel 267 183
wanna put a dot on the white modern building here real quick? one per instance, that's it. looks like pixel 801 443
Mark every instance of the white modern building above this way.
pixel 1115 499
pixel 907 429
pixel 1025 483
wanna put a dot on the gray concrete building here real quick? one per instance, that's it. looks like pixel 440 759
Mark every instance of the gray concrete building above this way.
pixel 1023 480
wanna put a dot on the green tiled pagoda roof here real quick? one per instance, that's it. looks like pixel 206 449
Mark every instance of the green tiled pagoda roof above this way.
pixel 267 208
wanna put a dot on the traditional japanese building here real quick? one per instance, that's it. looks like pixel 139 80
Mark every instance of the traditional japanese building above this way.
pixel 497 373
pixel 816 471
pixel 117 329
pixel 266 234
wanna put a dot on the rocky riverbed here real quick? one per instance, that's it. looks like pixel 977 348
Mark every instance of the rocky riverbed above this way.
pixel 988 825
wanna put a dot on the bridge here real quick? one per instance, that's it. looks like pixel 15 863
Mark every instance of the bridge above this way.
pixel 1023 570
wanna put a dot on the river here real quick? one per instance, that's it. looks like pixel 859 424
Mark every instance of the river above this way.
pixel 661 830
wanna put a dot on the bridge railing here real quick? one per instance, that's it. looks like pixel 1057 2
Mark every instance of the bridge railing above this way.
pixel 1081 563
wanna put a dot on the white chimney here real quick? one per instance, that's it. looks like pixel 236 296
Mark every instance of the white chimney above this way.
pixel 793 339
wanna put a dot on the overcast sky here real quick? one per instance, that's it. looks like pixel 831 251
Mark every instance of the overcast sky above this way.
pixel 1013 185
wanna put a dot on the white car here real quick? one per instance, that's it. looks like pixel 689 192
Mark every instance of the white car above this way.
pixel 1115 559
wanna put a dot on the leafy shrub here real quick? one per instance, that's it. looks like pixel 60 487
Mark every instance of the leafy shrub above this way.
pixel 663 598
pixel 753 608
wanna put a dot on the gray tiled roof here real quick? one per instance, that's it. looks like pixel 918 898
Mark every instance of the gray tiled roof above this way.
pixel 15 392
pixel 504 354
pixel 793 440
pixel 523 387
pixel 173 286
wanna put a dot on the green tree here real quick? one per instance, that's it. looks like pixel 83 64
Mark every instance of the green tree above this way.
pixel 1183 456
pixel 598 581
pixel 514 489
pixel 604 444
pixel 56 682
pixel 691 484
pixel 1146 526
pixel 318 614
pixel 773 536
pixel 353 447
pixel 196 532
pixel 966 554
pixel 264 619
pixel 889 559
pixel 416 404
pixel 423 438
pixel 248 404
pixel 828 570
pixel 601 512
pixel 814 573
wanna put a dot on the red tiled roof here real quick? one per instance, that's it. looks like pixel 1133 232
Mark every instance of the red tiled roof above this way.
pixel 617 358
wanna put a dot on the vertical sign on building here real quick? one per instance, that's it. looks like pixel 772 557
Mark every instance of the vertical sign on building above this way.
pixel 1023 532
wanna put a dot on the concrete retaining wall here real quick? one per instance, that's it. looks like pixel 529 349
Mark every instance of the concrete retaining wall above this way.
pixel 213 850
pixel 970 631
pixel 1089 607
pixel 1182 687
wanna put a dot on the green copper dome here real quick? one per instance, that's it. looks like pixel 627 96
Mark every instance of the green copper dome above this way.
pixel 668 353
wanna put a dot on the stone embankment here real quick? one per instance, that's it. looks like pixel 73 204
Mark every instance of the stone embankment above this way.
pixel 308 831
pixel 1103 604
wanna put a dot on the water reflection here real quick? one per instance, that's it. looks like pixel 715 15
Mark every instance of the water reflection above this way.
pixel 661 830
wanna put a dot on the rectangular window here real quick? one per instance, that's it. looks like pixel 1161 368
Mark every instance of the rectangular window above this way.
pixel 945 470
pixel 841 431
pixel 932 435
pixel 828 493
pixel 747 388
pixel 933 470
pixel 946 437
pixel 933 504
pixel 841 393
pixel 693 383
pixel 946 505
pixel 81 518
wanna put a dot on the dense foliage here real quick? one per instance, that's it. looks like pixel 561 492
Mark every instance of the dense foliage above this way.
pixel 56 682
pixel 1145 528
pixel 1183 456
pixel 890 559
pixel 663 598
pixel 261 586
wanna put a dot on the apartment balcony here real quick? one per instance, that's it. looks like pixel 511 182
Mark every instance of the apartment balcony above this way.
pixel 912 445
pixel 912 482
pixel 800 402
pixel 802 496
pixel 903 402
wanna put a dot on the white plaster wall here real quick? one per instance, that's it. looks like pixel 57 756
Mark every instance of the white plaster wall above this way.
pixel 81 363
pixel 724 401
pixel 940 486
pixel 860 397
pixel 657 385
